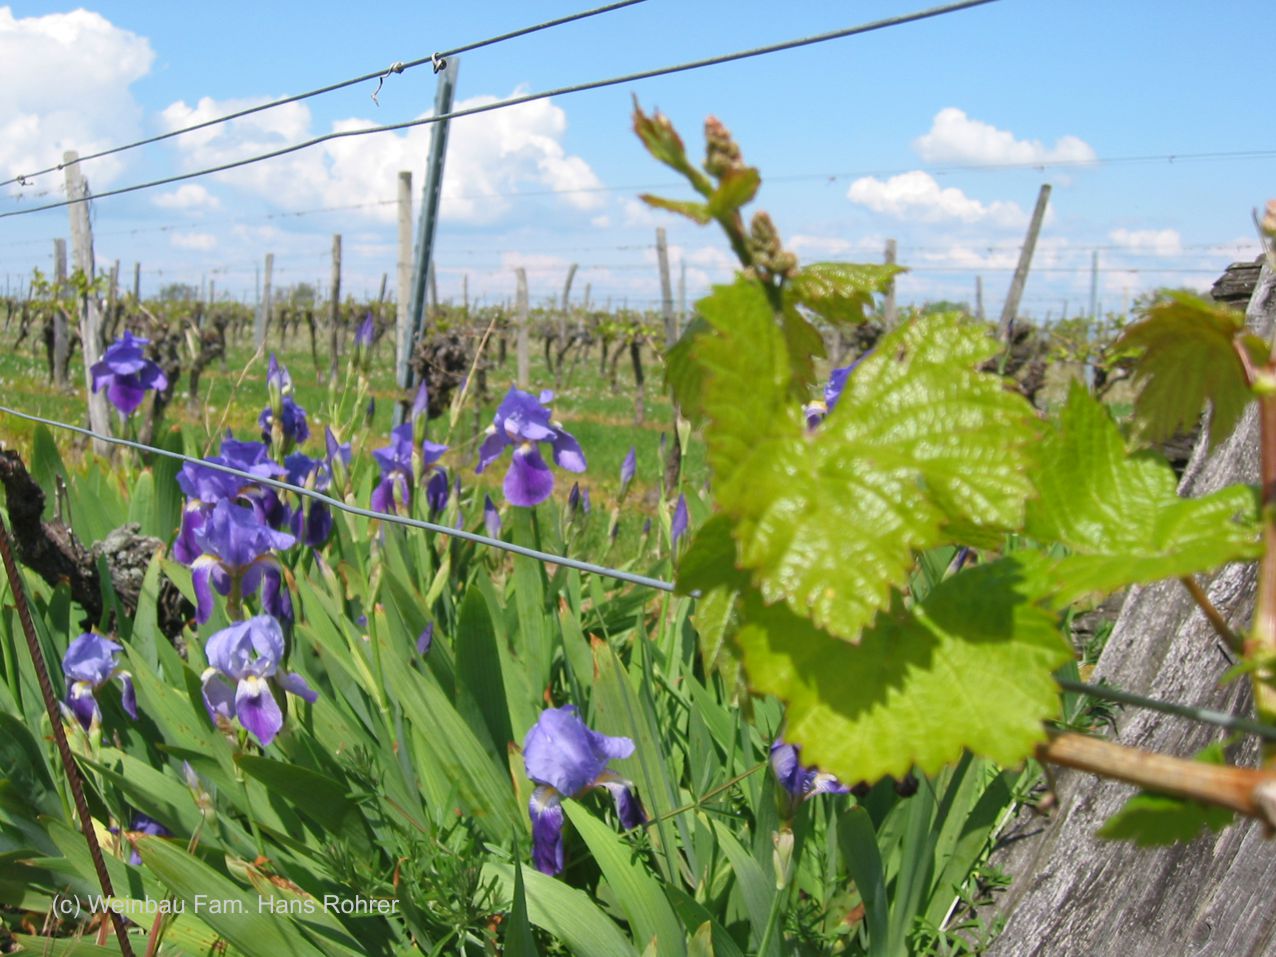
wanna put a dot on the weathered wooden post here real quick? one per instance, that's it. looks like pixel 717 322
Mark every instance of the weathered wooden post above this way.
pixel 77 192
pixel 1011 308
pixel 1074 894
pixel 61 334
pixel 263 308
pixel 523 362
pixel 334 309
pixel 402 313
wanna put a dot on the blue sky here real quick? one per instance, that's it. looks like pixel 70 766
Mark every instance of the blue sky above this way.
pixel 857 140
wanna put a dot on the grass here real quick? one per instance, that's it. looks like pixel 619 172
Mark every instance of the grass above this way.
pixel 234 395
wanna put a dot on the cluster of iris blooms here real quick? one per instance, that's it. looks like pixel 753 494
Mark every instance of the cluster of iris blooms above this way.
pixel 232 529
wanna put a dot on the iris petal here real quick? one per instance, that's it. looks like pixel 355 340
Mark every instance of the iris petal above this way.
pixel 567 452
pixel 292 682
pixel 628 807
pixel 128 696
pixel 546 812
pixel 529 480
pixel 258 710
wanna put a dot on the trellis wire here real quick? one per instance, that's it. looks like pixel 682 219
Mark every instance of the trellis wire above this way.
pixel 1203 715
pixel 526 98
pixel 397 67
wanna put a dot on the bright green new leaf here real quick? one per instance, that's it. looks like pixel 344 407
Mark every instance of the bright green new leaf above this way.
pixel 839 292
pixel 696 212
pixel 747 390
pixel 970 668
pixel 1120 514
pixel 1185 355
pixel 684 376
pixel 921 449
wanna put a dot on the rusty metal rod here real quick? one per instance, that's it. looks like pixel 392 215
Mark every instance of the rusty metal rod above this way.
pixel 59 733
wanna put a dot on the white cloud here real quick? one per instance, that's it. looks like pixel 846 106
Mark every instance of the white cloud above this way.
pixel 201 242
pixel 917 197
pixel 489 154
pixel 1161 242
pixel 188 196
pixel 956 138
pixel 64 82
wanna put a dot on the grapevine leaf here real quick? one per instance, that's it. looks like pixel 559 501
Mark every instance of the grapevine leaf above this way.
pixel 805 345
pixel 839 292
pixel 968 668
pixel 737 187
pixel 1120 515
pixel 747 384
pixel 698 212
pixel 1150 819
pixel 684 376
pixel 920 445
pixel 1184 356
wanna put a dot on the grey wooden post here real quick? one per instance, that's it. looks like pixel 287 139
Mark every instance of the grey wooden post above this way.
pixel 523 366
pixel 1075 894
pixel 979 297
pixel 77 190
pixel 61 334
pixel 1011 307
pixel 263 308
pixel 334 309
pixel 889 315
pixel 402 313
pixel 137 282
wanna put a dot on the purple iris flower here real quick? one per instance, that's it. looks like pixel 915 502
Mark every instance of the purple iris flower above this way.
pixel 295 427
pixel 627 469
pixel 248 653
pixel 144 825
pixel 311 522
pixel 425 640
pixel 397 470
pixel 88 664
pixel 283 414
pixel 205 487
pixel 522 422
pixel 797 781
pixel 491 517
pixel 363 336
pixel 817 410
pixel 236 549
pixel 277 377
pixel 680 520
pixel 573 498
pixel 565 758
pixel 126 373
